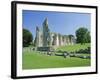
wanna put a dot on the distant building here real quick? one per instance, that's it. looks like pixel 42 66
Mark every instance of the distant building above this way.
pixel 46 38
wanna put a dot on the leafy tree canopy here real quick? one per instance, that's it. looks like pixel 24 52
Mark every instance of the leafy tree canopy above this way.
pixel 27 37
pixel 82 35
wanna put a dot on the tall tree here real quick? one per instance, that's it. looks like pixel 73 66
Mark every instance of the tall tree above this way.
pixel 87 37
pixel 82 35
pixel 27 37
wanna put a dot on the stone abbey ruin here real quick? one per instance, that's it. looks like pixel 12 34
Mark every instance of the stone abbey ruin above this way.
pixel 45 38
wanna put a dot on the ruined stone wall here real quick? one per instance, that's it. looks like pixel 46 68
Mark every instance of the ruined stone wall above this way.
pixel 61 40
pixel 46 38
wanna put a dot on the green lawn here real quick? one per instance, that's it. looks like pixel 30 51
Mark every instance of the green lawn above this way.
pixel 71 48
pixel 33 60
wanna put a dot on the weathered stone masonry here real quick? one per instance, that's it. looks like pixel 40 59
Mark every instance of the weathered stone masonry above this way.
pixel 46 38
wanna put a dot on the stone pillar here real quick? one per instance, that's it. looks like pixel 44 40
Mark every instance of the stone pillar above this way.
pixel 57 40
pixel 64 40
pixel 37 37
pixel 40 39
pixel 46 34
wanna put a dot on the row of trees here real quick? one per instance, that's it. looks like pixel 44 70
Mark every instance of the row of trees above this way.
pixel 82 36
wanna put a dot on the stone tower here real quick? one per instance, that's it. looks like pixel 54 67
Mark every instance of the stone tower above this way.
pixel 37 36
pixel 39 39
pixel 46 34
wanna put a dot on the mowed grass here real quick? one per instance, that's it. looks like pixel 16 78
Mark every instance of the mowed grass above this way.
pixel 35 60
pixel 72 48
